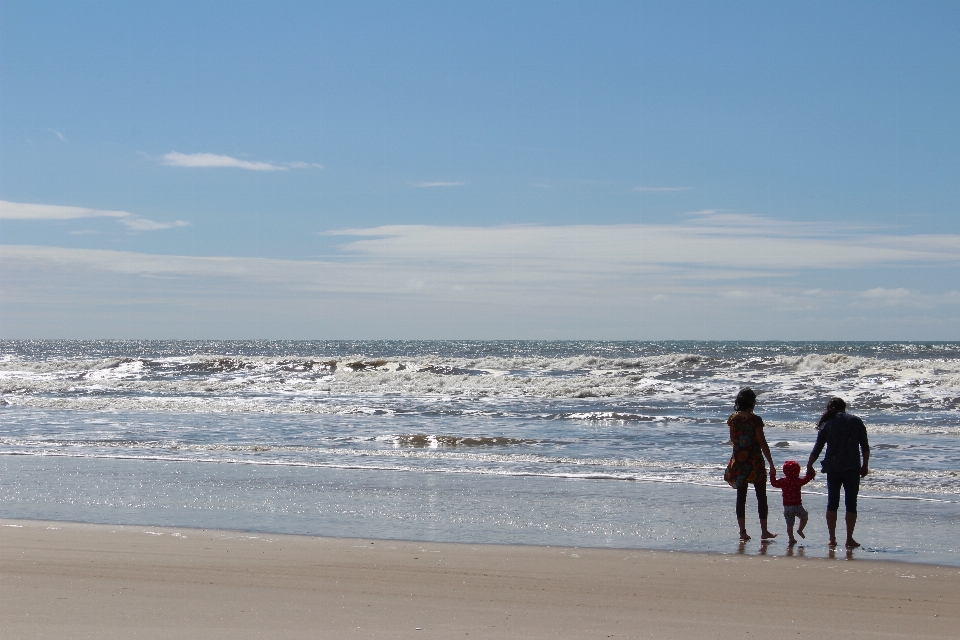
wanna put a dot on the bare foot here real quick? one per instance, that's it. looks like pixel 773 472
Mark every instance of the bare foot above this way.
pixel 832 543
pixel 800 533
pixel 852 544
pixel 768 535
pixel 743 536
pixel 793 541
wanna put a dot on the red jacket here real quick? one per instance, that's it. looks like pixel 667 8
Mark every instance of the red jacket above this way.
pixel 790 484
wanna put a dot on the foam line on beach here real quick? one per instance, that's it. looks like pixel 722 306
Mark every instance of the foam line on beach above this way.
pixel 625 477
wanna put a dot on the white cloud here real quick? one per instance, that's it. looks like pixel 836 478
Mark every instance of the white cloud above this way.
pixel 713 277
pixel 899 297
pixel 879 293
pixel 26 211
pixel 207 160
pixel 304 165
pixel 438 184
pixel 882 297
pixel 588 257
pixel 741 244
pixel 175 159
pixel 62 137
pixel 142 224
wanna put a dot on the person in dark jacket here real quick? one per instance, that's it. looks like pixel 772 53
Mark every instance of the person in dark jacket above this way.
pixel 845 437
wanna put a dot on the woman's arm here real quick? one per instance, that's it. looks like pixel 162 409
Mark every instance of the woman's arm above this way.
pixel 864 448
pixel 817 448
pixel 763 445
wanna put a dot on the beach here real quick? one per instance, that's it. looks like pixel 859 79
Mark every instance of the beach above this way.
pixel 70 580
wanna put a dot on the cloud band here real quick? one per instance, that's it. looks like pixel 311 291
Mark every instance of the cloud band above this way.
pixel 26 211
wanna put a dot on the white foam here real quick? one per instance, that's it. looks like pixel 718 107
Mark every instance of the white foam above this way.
pixel 801 377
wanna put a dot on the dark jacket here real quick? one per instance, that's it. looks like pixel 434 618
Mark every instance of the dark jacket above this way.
pixel 844 435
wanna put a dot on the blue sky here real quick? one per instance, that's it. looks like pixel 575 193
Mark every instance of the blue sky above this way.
pixel 636 170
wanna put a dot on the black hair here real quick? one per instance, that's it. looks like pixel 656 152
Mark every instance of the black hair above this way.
pixel 834 406
pixel 746 400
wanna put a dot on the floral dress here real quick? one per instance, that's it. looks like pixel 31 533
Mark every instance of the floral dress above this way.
pixel 746 464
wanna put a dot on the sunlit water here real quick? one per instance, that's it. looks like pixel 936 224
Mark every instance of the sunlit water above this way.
pixel 577 443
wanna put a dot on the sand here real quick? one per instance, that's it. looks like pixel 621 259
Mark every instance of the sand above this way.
pixel 67 580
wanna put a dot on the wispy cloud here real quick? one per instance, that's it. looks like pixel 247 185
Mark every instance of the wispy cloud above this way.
pixel 899 297
pixel 715 276
pixel 143 224
pixel 303 165
pixel 26 211
pixel 62 137
pixel 661 189
pixel 208 160
pixel 428 185
pixel 882 297
pixel 763 246
pixel 194 160
pixel 881 293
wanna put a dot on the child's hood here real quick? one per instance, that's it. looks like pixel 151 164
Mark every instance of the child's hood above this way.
pixel 791 469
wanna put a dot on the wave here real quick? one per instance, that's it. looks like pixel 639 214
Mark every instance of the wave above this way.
pixel 437 441
pixel 868 382
pixel 613 416
pixel 379 467
pixel 424 407
pixel 412 446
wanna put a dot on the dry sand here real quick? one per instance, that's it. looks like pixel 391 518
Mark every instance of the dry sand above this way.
pixel 65 580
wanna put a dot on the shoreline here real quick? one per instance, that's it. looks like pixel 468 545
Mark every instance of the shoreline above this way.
pixel 71 579
pixel 300 465
pixel 443 508
pixel 842 554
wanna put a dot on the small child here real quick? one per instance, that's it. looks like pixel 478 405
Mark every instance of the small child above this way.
pixel 792 502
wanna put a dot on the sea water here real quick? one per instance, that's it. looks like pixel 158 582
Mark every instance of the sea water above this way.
pixel 618 444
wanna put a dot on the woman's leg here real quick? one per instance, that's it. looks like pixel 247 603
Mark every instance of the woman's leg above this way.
pixel 761 490
pixel 742 511
pixel 834 482
pixel 851 487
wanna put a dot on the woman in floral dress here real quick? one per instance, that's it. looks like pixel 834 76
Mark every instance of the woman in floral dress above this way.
pixel 746 465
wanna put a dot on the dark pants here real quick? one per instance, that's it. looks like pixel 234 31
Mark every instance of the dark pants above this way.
pixel 761 489
pixel 850 481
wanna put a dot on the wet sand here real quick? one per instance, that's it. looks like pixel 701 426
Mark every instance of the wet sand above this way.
pixel 68 580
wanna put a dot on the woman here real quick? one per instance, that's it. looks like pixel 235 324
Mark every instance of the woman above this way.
pixel 746 465
pixel 845 437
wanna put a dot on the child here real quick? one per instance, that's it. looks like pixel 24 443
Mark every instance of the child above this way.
pixel 792 503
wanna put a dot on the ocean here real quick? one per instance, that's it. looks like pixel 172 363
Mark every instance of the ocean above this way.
pixel 574 443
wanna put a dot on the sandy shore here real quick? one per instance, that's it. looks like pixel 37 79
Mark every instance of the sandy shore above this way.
pixel 68 580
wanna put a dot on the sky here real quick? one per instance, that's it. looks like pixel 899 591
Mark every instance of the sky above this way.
pixel 480 170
